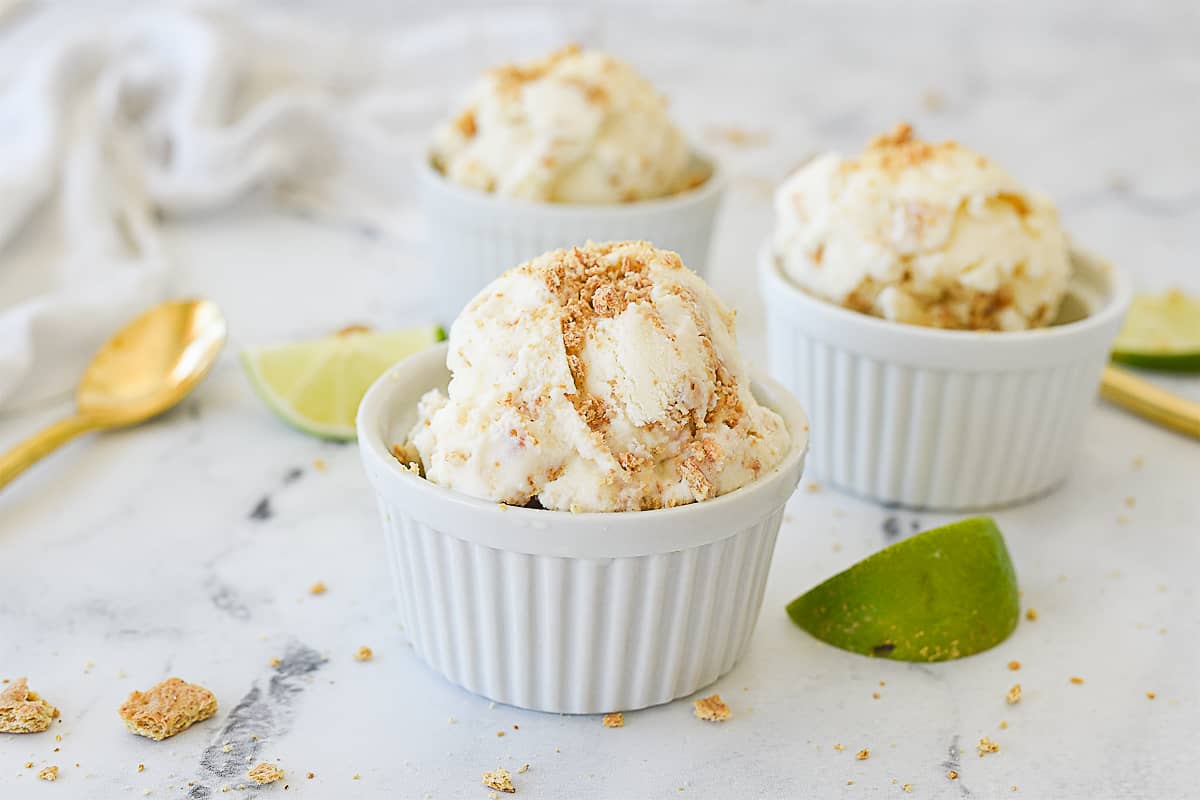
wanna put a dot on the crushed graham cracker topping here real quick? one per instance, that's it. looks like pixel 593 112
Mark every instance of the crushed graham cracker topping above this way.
pixel 1014 695
pixel 49 774
pixel 711 709
pixel 500 780
pixel 167 708
pixel 23 710
pixel 986 745
pixel 364 653
pixel 900 149
pixel 614 720
pixel 265 773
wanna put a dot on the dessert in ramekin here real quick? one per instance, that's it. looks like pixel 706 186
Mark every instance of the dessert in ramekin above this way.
pixel 571 147
pixel 603 379
pixel 931 315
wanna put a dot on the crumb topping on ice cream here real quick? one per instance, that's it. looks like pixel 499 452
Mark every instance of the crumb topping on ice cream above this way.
pixel 600 378
pixel 577 126
pixel 923 233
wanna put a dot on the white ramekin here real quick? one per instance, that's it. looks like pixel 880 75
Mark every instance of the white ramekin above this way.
pixel 571 613
pixel 927 418
pixel 474 236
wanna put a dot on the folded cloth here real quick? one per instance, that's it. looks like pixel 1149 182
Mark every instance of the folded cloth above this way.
pixel 109 126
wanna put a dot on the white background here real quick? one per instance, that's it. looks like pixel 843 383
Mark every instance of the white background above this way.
pixel 135 552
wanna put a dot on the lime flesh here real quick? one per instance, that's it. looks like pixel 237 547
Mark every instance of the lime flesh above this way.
pixel 316 385
pixel 1161 332
pixel 946 593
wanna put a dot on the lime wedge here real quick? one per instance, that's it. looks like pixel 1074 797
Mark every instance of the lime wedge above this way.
pixel 942 594
pixel 1161 332
pixel 317 385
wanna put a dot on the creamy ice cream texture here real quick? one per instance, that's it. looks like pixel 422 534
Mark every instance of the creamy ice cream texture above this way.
pixel 928 234
pixel 576 126
pixel 602 378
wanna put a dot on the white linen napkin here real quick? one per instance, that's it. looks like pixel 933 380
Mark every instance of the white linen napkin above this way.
pixel 109 125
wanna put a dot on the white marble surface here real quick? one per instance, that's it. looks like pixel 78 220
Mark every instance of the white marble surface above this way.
pixel 133 556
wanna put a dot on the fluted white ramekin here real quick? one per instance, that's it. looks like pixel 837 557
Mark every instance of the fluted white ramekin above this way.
pixel 474 236
pixel 928 418
pixel 572 613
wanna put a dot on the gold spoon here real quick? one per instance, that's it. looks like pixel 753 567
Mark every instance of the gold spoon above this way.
pixel 146 368
pixel 1147 400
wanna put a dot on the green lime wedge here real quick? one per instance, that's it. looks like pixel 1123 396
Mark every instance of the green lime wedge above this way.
pixel 1161 332
pixel 317 385
pixel 945 593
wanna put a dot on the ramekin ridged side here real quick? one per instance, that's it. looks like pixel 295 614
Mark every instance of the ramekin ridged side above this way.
pixel 474 236
pixel 948 420
pixel 571 613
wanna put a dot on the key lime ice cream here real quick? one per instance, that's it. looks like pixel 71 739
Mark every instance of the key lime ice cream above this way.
pixel 577 126
pixel 921 233
pixel 601 378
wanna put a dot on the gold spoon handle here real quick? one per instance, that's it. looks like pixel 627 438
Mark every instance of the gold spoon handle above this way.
pixel 44 442
pixel 1147 400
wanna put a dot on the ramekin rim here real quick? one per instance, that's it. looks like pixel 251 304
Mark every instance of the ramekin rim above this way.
pixel 713 185
pixel 1117 302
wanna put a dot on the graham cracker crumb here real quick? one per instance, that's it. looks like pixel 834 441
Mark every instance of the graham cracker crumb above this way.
pixel 141 767
pixel 275 662
pixel 908 787
pixel 49 774
pixel 839 747
pixel 317 588
pixel 310 776
pixel 1151 695
pixel 28 765
pixel 711 709
pixel 863 755
pixel 875 695
pixel 952 775
pixel 615 720
pixel 265 773
pixel 986 745
pixel 23 710
pixel 500 780
pixel 1003 725
pixel 167 708
pixel 1031 614
pixel 363 653
pixel 523 769
pixel 1014 665
pixel 1014 695
pixel 1075 679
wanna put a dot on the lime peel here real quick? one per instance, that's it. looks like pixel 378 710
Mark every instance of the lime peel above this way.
pixel 946 593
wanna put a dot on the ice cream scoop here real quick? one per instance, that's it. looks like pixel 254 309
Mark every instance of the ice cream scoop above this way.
pixel 576 126
pixel 601 378
pixel 928 234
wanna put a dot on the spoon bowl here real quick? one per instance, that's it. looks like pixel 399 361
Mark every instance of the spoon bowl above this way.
pixel 152 363
pixel 145 369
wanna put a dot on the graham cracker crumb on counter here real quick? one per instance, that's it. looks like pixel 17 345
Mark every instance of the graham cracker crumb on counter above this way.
pixel 1138 462
pixel 1075 679
pixel 1014 665
pixel 523 769
pixel 355 777
pixel 875 695
pixel 711 709
pixel 839 747
pixel 863 755
pixel 1003 725
pixel 1014 695
pixel 614 720
pixel 952 775
pixel 317 588
pixel 265 773
pixel 493 796
pixel 500 780
pixel 908 788
pixel 310 775
pixel 141 767
pixel 739 137
pixel 986 745
pixel 23 710
pixel 319 464
pixel 364 653
pixel 275 662
pixel 49 774
pixel 28 765
pixel 1151 695
pixel 1130 501
pixel 1031 614
pixel 167 708
pixel 813 488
